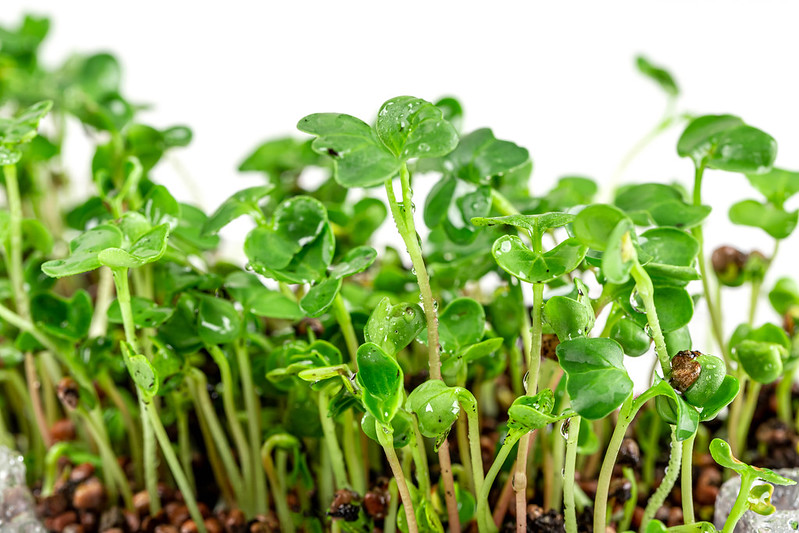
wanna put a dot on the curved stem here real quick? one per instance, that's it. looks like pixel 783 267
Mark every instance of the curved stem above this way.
pixel 741 504
pixel 626 414
pixel 643 284
pixel 486 525
pixel 745 422
pixel 420 460
pixel 134 441
pixel 686 479
pixel 672 471
pixel 109 458
pixel 345 323
pixel 783 393
pixel 569 511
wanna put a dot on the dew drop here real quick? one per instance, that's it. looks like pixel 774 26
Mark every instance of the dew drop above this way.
pixel 634 302
pixel 524 380
pixel 505 247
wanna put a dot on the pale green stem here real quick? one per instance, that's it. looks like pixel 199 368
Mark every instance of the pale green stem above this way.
pixel 207 414
pixel 420 460
pixel 134 440
pixel 569 512
pixel 486 525
pixel 783 393
pixel 184 443
pixel 331 441
pixel 643 284
pixel 345 323
pixel 741 504
pixel 745 421
pixel 686 480
pixel 715 313
pixel 174 466
pixel 108 457
pixel 390 523
pixel 149 438
pixel 229 406
pixel 406 226
pixel 631 503
pixel 672 471
pixel 626 414
pixel 51 460
pixel 253 407
pixel 386 439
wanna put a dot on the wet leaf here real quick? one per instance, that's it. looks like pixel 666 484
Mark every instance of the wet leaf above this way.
pixel 84 251
pixel 393 327
pixel 244 202
pixel 381 379
pixel 218 321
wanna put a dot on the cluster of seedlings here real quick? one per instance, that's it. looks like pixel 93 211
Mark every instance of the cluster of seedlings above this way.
pixel 473 379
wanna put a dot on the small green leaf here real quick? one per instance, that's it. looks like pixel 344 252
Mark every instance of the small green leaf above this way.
pixel 436 406
pixel 248 290
pixel 65 318
pixel 22 128
pixel 461 323
pixel 84 251
pixel 411 127
pixel 699 136
pixel 141 370
pixel 381 379
pixel 777 185
pixel 597 380
pixel 594 225
pixel 570 317
pixel 659 75
pixel 277 156
pixel 513 256
pixel 244 202
pixel 631 336
pixel 355 261
pixel 784 296
pixel 669 246
pixel 659 203
pixel 722 454
pixel 541 222
pixel 725 394
pixel 147 249
pixel 480 156
pixel 402 425
pixel 218 321
pixel 528 413
pixel 759 499
pixel 320 297
pixel 393 327
pixel 674 409
pixel 762 361
pixel 773 220
pixel 359 159
pixel 743 149
pixel 160 207
pixel 620 255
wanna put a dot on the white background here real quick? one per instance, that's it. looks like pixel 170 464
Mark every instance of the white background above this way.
pixel 557 78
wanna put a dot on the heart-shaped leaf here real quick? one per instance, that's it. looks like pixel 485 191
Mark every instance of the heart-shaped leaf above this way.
pixel 597 380
pixel 513 256
pixel 773 220
pixel 65 318
pixel 401 424
pixel 436 406
pixel 359 159
pixel 147 249
pixel 84 251
pixel 660 204
pixel 461 323
pixel 594 225
pixel 480 156
pixel 320 297
pixel 777 185
pixel 411 127
pixel 528 413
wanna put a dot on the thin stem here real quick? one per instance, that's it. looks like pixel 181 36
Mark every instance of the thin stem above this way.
pixel 626 414
pixel 686 479
pixel 533 365
pixel 385 437
pixel 390 523
pixel 105 293
pixel 184 441
pixel 741 504
pixel 150 451
pixel 403 218
pixel 134 439
pixel 345 323
pixel 253 407
pixel 174 466
pixel 643 284
pixel 352 453
pixel 487 526
pixel 331 441
pixel 207 415
pixel 630 504
pixel 570 513
pixel 752 396
pixel 672 471
pixel 783 393
pixel 229 406
pixel 108 457
pixel 736 408
pixel 470 407
pixel 558 449
pixel 715 313
pixel 420 460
